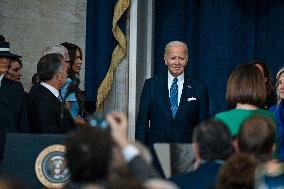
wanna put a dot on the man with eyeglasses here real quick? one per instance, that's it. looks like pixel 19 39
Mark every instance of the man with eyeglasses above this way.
pixel 46 111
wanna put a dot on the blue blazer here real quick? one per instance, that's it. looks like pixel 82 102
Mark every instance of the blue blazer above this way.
pixel 155 107
pixel 202 178
pixel 278 110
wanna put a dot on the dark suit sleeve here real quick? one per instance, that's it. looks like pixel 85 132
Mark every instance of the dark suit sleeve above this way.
pixel 179 180
pixel 203 105
pixel 142 122
pixel 23 124
pixel 141 169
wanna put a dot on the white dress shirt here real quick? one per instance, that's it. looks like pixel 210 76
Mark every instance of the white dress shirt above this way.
pixel 51 89
pixel 179 83
pixel 129 152
pixel 1 77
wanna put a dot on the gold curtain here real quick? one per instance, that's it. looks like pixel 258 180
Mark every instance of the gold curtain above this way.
pixel 117 55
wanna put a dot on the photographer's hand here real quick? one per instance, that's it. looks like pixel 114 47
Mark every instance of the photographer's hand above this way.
pixel 118 124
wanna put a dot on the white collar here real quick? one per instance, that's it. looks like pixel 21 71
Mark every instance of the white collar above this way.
pixel 1 77
pixel 180 77
pixel 51 88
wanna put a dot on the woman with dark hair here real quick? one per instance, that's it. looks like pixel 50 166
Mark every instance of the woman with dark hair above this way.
pixel 70 92
pixel 271 97
pixel 244 92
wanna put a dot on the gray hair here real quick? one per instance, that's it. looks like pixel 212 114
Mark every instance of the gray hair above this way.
pixel 278 75
pixel 59 49
pixel 48 65
pixel 174 44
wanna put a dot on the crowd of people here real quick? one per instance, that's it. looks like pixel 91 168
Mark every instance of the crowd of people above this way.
pixel 242 147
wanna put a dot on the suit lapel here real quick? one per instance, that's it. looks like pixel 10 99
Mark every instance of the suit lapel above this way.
pixel 186 90
pixel 50 95
pixel 6 92
pixel 61 107
pixel 53 99
pixel 163 87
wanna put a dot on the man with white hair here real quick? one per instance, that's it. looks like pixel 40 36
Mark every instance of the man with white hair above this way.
pixel 57 49
pixel 171 103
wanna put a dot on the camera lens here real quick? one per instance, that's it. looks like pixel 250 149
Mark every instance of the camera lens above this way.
pixel 98 121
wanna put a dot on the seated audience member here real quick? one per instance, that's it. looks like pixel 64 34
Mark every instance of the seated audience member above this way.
pixel 237 173
pixel 120 168
pixel 75 99
pixel 266 72
pixel 11 183
pixel 137 165
pixel 114 184
pixel 46 112
pixel 15 70
pixel 270 176
pixel 119 183
pixel 278 111
pixel 244 92
pixel 157 183
pixel 89 187
pixel 94 168
pixel 13 117
pixel 88 156
pixel 211 146
pixel 257 137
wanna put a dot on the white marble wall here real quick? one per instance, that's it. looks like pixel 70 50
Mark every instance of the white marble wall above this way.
pixel 31 25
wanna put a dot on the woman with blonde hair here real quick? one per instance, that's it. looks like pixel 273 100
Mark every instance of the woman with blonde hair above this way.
pixel 278 110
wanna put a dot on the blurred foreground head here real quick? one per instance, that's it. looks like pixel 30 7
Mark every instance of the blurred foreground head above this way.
pixel 89 154
pixel 10 183
pixel 238 172
pixel 212 140
pixel 257 137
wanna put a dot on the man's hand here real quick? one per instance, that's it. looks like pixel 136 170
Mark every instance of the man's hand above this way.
pixel 118 124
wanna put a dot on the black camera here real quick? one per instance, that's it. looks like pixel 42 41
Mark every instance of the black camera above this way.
pixel 98 120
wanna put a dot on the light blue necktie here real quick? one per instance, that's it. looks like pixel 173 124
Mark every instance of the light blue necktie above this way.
pixel 60 97
pixel 174 96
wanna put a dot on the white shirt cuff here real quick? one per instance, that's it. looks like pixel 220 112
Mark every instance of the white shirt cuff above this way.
pixel 129 152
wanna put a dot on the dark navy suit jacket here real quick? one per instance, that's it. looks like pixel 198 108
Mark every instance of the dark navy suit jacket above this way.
pixel 13 117
pixel 202 178
pixel 46 113
pixel 155 107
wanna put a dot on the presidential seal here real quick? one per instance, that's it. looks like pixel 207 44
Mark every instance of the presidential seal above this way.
pixel 50 167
